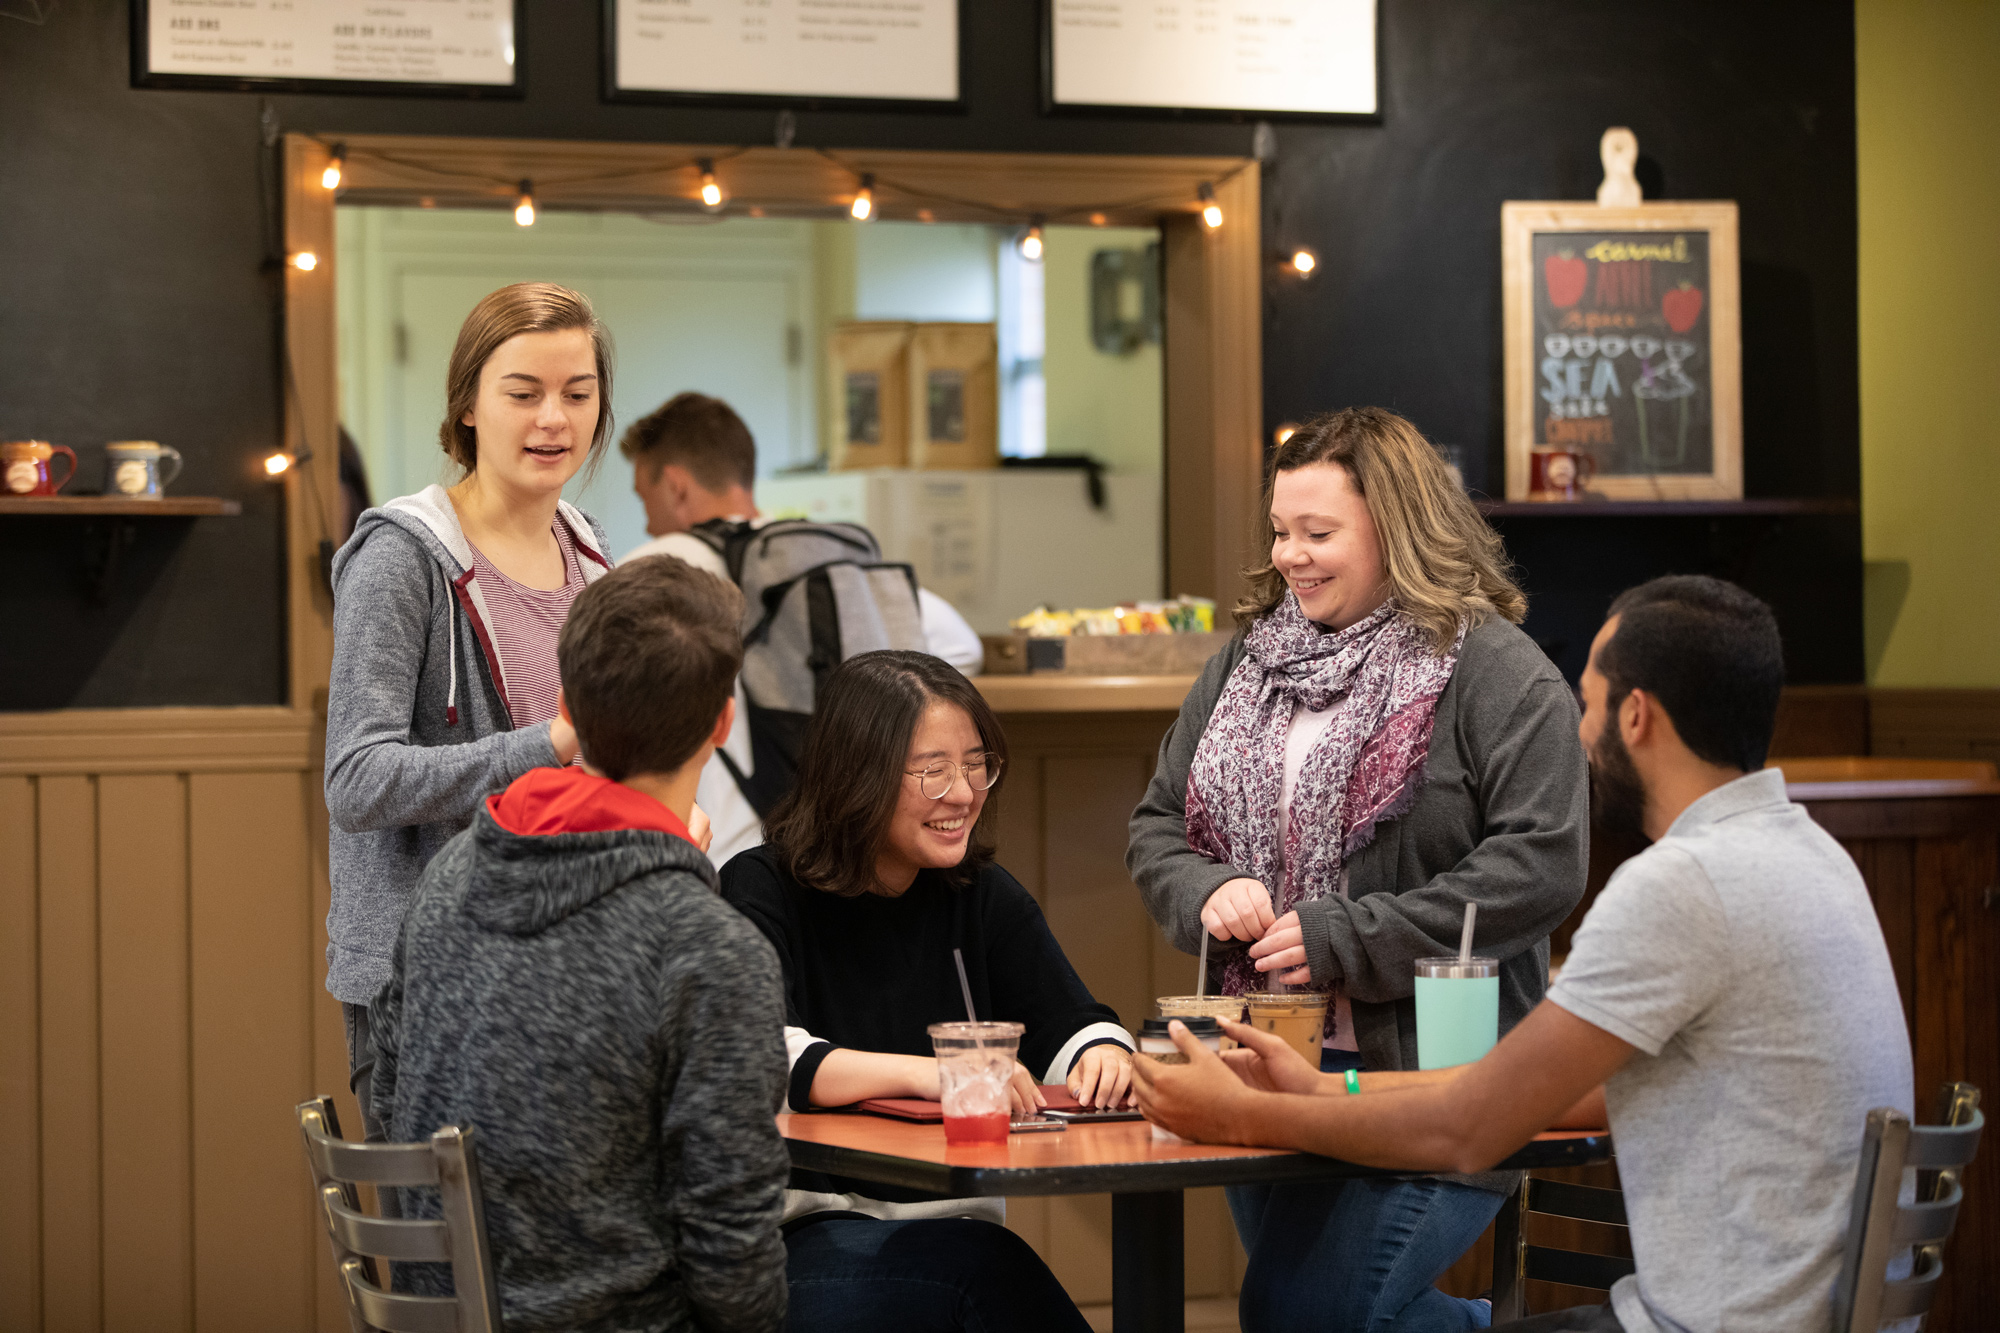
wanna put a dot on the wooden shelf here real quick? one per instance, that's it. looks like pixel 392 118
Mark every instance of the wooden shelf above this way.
pixel 173 506
pixel 1664 508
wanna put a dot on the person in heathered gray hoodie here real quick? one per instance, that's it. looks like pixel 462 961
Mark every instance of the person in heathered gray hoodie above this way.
pixel 569 982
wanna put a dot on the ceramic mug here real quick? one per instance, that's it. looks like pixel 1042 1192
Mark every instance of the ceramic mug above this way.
pixel 27 466
pixel 1559 474
pixel 133 468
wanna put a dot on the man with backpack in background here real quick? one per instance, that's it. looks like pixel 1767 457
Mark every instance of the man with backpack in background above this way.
pixel 815 594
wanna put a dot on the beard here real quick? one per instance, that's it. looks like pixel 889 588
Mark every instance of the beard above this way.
pixel 1617 793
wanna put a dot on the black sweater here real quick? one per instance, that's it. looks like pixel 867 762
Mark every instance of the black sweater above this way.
pixel 872 973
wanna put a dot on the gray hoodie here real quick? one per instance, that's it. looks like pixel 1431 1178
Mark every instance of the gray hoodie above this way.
pixel 417 728
pixel 612 1029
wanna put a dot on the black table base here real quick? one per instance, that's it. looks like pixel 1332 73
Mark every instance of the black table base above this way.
pixel 1148 1263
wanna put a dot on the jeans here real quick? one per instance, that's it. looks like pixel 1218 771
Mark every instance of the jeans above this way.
pixel 1357 1255
pixel 361 1069
pixel 857 1273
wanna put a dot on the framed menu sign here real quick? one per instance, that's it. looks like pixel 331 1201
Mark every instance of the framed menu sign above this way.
pixel 1624 362
pixel 1270 58
pixel 461 48
pixel 798 53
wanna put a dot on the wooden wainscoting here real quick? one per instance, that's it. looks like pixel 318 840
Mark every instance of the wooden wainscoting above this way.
pixel 1071 785
pixel 162 900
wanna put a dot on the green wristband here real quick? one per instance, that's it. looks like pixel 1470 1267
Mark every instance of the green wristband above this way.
pixel 1353 1081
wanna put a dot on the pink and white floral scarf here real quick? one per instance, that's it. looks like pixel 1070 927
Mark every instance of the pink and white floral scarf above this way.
pixel 1367 767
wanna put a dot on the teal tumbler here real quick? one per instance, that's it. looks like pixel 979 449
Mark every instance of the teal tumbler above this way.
pixel 1458 1010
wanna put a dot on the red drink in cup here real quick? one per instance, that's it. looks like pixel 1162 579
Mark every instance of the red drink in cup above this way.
pixel 975 1064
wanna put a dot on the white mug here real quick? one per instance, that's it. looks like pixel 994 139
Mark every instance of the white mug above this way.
pixel 133 470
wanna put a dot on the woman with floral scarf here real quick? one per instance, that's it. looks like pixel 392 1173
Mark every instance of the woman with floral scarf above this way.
pixel 1378 747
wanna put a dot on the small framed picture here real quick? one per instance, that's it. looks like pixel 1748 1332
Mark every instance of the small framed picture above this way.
pixel 1623 351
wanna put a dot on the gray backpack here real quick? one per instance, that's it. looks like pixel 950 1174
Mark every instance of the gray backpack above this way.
pixel 814 595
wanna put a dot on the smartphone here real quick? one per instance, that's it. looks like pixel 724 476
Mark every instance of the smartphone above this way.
pixel 1086 1116
pixel 1036 1124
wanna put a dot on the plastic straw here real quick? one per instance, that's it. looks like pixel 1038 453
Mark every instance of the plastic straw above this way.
pixel 1465 940
pixel 958 956
pixel 1201 977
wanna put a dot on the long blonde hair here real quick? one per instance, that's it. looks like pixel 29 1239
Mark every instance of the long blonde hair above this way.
pixel 1444 564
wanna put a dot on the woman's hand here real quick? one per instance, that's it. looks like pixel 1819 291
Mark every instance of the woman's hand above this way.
pixel 1024 1094
pixel 563 737
pixel 699 830
pixel 1267 1062
pixel 1102 1077
pixel 1283 950
pixel 1240 909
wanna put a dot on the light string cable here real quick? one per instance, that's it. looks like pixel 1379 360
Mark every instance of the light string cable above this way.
pixel 510 185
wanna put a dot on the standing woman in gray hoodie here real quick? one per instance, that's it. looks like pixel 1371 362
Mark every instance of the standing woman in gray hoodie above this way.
pixel 447 607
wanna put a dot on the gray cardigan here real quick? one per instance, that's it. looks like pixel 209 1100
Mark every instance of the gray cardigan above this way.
pixel 417 727
pixel 1503 817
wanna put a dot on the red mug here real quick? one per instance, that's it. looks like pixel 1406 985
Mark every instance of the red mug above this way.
pixel 26 467
pixel 1559 474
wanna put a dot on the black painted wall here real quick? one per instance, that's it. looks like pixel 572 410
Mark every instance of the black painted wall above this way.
pixel 135 303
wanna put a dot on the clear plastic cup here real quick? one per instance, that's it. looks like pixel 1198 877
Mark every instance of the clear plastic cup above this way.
pixel 1157 1044
pixel 1204 1006
pixel 975 1063
pixel 1458 1010
pixel 1298 1016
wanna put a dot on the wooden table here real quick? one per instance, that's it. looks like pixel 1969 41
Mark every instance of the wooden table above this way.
pixel 1144 1178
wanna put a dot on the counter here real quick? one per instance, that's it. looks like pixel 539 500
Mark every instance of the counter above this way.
pixel 1054 692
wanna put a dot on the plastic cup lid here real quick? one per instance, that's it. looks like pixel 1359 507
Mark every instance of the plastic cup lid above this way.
pixel 1198 1027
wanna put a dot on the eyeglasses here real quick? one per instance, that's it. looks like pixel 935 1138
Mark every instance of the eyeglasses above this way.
pixel 980 775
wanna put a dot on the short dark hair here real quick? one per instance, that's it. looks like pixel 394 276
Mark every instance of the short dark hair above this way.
pixel 1710 653
pixel 827 830
pixel 702 434
pixel 649 655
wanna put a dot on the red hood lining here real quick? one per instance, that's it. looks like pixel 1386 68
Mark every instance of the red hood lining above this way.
pixel 544 802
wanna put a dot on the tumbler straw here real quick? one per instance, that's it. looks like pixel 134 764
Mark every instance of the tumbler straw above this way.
pixel 958 956
pixel 1465 939
pixel 1201 977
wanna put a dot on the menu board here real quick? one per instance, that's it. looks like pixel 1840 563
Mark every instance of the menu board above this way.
pixel 1273 57
pixel 791 51
pixel 1622 349
pixel 351 45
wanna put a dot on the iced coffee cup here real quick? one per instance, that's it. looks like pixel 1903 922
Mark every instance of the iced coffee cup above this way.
pixel 1458 1010
pixel 1157 1044
pixel 1297 1016
pixel 1204 1006
pixel 975 1063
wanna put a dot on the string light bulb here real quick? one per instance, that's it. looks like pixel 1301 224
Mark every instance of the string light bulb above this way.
pixel 276 465
pixel 1285 432
pixel 863 206
pixel 305 261
pixel 711 193
pixel 524 211
pixel 1031 242
pixel 1304 261
pixel 330 178
pixel 1211 212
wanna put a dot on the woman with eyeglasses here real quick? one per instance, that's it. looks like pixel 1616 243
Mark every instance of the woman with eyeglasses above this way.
pixel 877 866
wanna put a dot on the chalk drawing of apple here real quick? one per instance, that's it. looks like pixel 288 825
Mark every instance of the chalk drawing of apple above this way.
pixel 1565 274
pixel 1682 307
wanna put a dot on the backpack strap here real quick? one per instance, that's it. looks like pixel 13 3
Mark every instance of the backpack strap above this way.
pixel 728 540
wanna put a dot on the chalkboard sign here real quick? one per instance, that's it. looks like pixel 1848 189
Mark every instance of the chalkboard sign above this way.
pixel 1623 363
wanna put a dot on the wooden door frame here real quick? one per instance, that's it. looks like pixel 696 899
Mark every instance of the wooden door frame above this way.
pixel 1212 292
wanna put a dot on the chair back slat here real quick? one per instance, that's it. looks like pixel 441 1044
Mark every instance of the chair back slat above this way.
pixel 394 1312
pixel 373 1163
pixel 1909 1297
pixel 1938 1147
pixel 1586 1203
pixel 1576 1269
pixel 1927 1223
pixel 398 1240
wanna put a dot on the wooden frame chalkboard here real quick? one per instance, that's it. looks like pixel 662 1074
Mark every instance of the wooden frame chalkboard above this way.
pixel 1623 344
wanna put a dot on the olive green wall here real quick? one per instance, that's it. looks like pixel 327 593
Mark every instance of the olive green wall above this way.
pixel 1928 141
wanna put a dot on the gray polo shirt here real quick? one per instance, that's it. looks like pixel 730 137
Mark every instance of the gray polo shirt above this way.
pixel 1740 954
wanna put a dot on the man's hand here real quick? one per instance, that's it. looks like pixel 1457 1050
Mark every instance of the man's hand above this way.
pixel 1200 1100
pixel 1240 909
pixel 1283 950
pixel 1267 1062
pixel 1102 1077
pixel 699 830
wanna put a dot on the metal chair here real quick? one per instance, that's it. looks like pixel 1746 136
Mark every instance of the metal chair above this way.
pixel 1515 1261
pixel 1882 1227
pixel 447 1161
